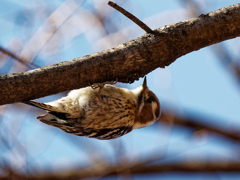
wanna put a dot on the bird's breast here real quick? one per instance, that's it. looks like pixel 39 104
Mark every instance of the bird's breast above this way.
pixel 109 111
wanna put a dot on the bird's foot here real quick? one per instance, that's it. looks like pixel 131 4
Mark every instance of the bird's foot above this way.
pixel 101 85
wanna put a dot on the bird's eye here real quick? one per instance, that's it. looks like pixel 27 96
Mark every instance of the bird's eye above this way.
pixel 149 100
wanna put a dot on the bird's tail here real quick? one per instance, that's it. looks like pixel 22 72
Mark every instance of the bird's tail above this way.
pixel 44 106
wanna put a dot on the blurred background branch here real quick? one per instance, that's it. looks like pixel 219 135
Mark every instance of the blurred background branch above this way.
pixel 107 170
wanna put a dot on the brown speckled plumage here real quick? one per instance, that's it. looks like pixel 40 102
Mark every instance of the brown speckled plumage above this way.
pixel 106 115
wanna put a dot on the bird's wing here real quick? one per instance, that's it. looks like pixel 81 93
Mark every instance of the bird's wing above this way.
pixel 44 106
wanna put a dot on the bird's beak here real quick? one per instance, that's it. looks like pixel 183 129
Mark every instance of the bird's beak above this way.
pixel 145 83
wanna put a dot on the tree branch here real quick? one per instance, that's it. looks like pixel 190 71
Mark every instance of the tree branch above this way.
pixel 130 16
pixel 127 61
pixel 101 170
pixel 191 123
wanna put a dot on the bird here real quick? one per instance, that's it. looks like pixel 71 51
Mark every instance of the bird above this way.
pixel 105 113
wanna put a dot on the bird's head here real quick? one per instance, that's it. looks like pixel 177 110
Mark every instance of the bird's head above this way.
pixel 149 109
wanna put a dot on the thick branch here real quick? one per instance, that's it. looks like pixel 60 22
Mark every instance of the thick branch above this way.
pixel 128 61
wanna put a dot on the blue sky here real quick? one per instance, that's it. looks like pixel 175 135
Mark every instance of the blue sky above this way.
pixel 196 84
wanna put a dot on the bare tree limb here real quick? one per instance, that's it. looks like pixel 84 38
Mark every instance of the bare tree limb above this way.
pixel 127 61
pixel 101 170
pixel 187 122
pixel 189 167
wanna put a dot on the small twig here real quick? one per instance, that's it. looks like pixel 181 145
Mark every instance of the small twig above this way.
pixel 17 58
pixel 130 16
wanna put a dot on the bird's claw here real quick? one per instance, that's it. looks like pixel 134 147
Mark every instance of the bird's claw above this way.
pixel 101 85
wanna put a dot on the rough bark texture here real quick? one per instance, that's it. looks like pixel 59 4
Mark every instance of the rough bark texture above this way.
pixel 127 61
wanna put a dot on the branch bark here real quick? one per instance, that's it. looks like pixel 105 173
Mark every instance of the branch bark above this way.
pixel 127 61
